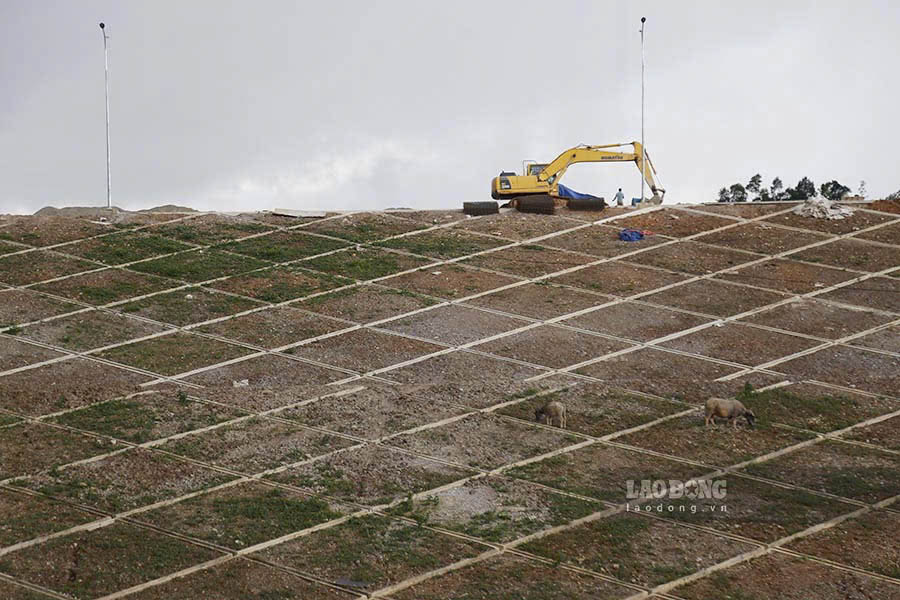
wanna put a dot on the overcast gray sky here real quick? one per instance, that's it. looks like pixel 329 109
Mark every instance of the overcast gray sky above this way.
pixel 350 105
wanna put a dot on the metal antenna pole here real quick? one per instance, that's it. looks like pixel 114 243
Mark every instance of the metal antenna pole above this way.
pixel 106 74
pixel 643 152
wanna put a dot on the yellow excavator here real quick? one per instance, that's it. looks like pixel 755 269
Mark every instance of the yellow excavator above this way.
pixel 543 178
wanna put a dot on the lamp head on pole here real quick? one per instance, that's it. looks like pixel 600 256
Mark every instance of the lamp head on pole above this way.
pixel 102 26
pixel 643 19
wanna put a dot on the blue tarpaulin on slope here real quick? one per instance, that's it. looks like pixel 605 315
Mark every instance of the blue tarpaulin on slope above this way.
pixel 565 192
pixel 631 235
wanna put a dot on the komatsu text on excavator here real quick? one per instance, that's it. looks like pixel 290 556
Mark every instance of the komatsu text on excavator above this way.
pixel 540 179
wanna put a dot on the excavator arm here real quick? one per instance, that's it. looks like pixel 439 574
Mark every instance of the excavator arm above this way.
pixel 546 181
pixel 554 171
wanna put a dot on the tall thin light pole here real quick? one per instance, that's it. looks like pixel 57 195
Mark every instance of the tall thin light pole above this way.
pixel 643 152
pixel 106 75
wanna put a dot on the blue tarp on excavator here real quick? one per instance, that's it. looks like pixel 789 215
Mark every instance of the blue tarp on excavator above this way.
pixel 565 192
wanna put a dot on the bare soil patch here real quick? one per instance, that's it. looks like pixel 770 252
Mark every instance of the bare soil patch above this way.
pixel 761 238
pixel 373 475
pixel 693 257
pixel 781 577
pixel 518 226
pixel 174 354
pixel 211 229
pixel 371 552
pixel 25 306
pixel 449 281
pixel 146 417
pixel 885 434
pixel 187 306
pixel 260 398
pixel 240 579
pixel 597 410
pixel 469 378
pixel 889 234
pixel 601 471
pixel 509 576
pixel 529 260
pixel 881 293
pixel 89 330
pixel 125 247
pixel 79 565
pixel 366 227
pixel 47 231
pixel 720 445
pixel 264 373
pixel 200 265
pixel 104 287
pixel 244 515
pixel 32 267
pixel 673 222
pixel 815 407
pixel 744 210
pixel 600 240
pixel 25 516
pixel 15 354
pixel 858 220
pixel 845 470
pixel 542 300
pixel 127 480
pixel 107 286
pixel 454 325
pixel 853 254
pixel 430 217
pixel 813 317
pixel 6 248
pixel 443 243
pixel 619 278
pixel 788 276
pixel 592 215
pixel 364 350
pixel 365 264
pixel 760 511
pixel 741 344
pixel 713 298
pixel 64 385
pixel 663 373
pixel 554 347
pixel 376 411
pixel 284 246
pixel 866 542
pixel 885 205
pixel 483 441
pixel 366 303
pixel 255 445
pixel 636 321
pixel 497 508
pixel 29 448
pixel 637 549
pixel 273 327
pixel 280 284
pixel 849 367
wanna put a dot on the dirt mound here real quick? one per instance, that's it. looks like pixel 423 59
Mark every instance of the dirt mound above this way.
pixel 78 211
pixel 168 208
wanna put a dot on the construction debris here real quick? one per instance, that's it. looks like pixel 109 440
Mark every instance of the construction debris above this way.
pixel 822 208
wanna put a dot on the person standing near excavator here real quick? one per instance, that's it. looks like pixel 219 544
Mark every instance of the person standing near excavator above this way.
pixel 620 197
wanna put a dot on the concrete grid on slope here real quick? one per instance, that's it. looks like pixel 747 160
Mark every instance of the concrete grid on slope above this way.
pixel 533 325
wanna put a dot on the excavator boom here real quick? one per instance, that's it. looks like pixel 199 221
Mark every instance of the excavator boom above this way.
pixel 546 181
